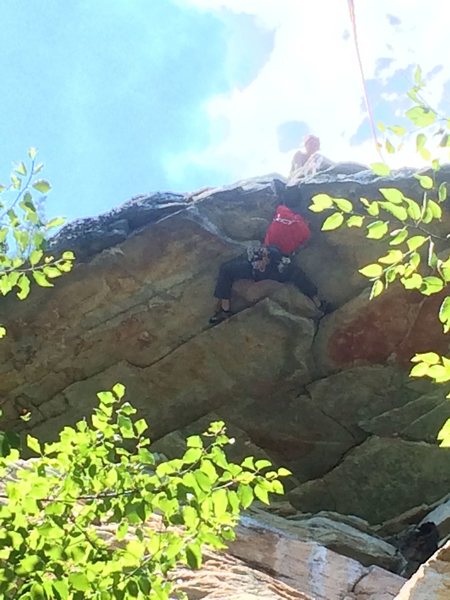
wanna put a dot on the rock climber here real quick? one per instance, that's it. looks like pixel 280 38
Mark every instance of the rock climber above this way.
pixel 272 260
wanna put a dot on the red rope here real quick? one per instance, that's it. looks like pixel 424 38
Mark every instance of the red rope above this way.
pixel 351 8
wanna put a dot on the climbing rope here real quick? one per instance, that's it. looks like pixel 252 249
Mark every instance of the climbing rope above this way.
pixel 351 8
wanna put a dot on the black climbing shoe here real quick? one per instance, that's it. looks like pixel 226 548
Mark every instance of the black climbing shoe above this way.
pixel 219 316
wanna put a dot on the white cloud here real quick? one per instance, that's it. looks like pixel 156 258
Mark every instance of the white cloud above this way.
pixel 312 76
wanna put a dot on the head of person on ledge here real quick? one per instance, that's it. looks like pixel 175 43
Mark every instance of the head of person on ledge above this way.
pixel 311 144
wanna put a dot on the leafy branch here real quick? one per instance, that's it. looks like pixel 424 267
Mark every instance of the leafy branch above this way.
pixel 23 234
pixel 103 473
pixel 400 221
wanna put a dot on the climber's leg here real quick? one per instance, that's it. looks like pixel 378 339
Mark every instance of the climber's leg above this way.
pixel 302 282
pixel 237 268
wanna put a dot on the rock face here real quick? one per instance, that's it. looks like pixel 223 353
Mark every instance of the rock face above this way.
pixel 306 565
pixel 432 580
pixel 327 396
pixel 378 479
pixel 227 578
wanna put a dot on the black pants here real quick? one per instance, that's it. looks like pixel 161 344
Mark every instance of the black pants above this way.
pixel 240 268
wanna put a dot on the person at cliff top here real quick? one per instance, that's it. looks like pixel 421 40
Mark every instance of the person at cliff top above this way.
pixel 265 262
pixel 312 145
pixel 307 164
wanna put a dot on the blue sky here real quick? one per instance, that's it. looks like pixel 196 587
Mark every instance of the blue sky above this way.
pixel 124 97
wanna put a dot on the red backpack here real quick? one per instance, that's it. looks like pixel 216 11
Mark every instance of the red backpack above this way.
pixel 288 230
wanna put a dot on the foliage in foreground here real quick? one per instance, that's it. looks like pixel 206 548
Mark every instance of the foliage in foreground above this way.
pixel 418 256
pixel 102 476
pixel 24 232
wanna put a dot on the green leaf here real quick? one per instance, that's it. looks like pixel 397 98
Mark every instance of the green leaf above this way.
pixel 355 221
pixel 377 230
pixel 107 398
pixel 398 237
pixel 118 389
pixel 380 169
pixel 343 204
pixel 79 582
pixel 2 331
pixel 261 494
pixel 41 185
pixel 444 435
pixel 414 260
pixel 190 517
pixel 194 441
pixel 140 426
pixel 248 463
pixel 209 469
pixel 32 152
pixel 392 195
pixel 373 270
pixel 24 287
pixel 193 556
pixel 333 221
pixel 373 209
pixel 393 256
pixel 37 592
pixel 35 257
pixel 262 464
pixel 435 208
pixel 33 444
pixel 245 494
pixel 444 313
pixel 68 255
pixel 419 370
pixel 203 481
pixel 56 222
pixel 427 214
pixel 431 285
pixel 397 129
pixel 283 472
pixel 220 502
pixel 420 141
pixel 192 455
pixel 51 272
pixel 416 242
pixel 389 147
pixel 445 140
pixel 21 169
pixel 425 181
pixel 125 427
pixel 420 116
pixel 41 279
pixel 146 457
pixel 431 358
pixel 376 289
pixel 321 202
pixel 391 274
pixel 414 210
pixel 442 192
pixel 413 282
pixel 16 182
pixel 399 212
